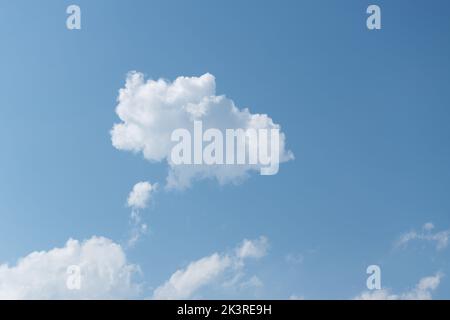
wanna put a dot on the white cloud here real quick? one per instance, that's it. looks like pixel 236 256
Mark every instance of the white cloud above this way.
pixel 383 294
pixel 253 248
pixel 151 110
pixel 186 283
pixel 428 226
pixel 439 238
pixel 424 288
pixel 422 291
pixel 139 197
pixel 105 273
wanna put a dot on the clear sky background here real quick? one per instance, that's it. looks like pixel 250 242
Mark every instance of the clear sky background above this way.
pixel 366 114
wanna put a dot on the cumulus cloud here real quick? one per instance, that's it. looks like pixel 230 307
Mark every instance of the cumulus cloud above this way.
pixel 186 283
pixel 139 197
pixel 426 234
pixel 151 110
pixel 105 273
pixel 422 291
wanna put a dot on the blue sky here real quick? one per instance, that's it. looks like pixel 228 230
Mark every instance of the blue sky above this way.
pixel 365 113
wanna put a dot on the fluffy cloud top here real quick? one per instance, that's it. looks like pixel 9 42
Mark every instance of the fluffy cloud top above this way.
pixel 105 273
pixel 151 110
pixel 422 291
pixel 139 197
pixel 185 283
pixel 426 234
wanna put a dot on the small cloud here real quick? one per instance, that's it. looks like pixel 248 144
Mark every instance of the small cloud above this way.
pixel 422 291
pixel 426 234
pixel 253 248
pixel 186 283
pixel 428 226
pixel 139 197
